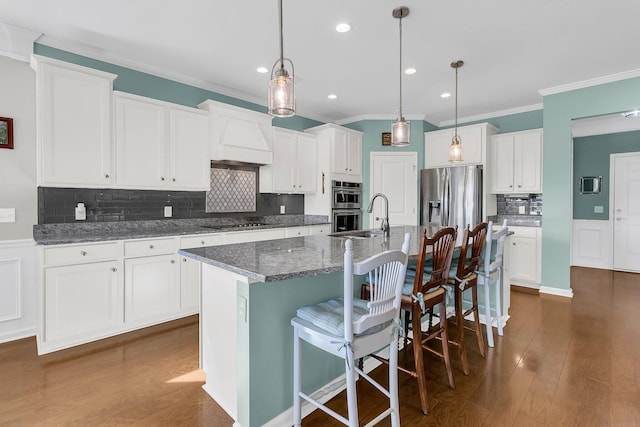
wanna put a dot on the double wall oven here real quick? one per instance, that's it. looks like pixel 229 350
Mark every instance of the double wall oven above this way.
pixel 345 205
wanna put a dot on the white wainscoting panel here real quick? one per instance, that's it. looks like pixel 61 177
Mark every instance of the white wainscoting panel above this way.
pixel 592 244
pixel 18 290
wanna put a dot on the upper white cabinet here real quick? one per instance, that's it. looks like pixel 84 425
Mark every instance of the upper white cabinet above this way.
pixel 239 134
pixel 294 163
pixel 474 145
pixel 160 145
pixel 516 162
pixel 339 152
pixel 73 108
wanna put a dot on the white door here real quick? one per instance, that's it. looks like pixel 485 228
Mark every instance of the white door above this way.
pixel 396 176
pixel 626 212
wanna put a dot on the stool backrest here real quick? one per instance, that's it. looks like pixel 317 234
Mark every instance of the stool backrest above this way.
pixel 473 242
pixel 387 270
pixel 442 244
pixel 499 237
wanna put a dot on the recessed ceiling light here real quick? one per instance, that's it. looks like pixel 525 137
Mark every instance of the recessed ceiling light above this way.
pixel 445 95
pixel 332 96
pixel 410 71
pixel 343 27
pixel 262 70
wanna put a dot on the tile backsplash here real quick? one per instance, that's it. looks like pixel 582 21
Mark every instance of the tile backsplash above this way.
pixel 510 204
pixel 232 190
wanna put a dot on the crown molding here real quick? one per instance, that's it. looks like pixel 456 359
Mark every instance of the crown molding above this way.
pixel 362 117
pixel 83 50
pixel 17 42
pixel 500 113
pixel 591 82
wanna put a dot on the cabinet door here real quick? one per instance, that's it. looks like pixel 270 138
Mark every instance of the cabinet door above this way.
pixel 284 161
pixel 188 142
pixel 141 143
pixel 82 302
pixel 189 285
pixel 152 289
pixel 306 163
pixel 528 162
pixel 339 162
pixel 472 138
pixel 436 152
pixel 523 258
pixel 354 155
pixel 74 138
pixel 501 164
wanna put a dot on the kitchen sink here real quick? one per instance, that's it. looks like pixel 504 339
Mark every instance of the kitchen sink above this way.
pixel 359 234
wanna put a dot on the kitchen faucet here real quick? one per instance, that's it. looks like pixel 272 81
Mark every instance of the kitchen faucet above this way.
pixel 385 221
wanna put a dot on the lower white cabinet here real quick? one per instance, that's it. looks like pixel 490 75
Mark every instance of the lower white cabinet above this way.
pixel 524 257
pixel 95 290
pixel 152 289
pixel 82 302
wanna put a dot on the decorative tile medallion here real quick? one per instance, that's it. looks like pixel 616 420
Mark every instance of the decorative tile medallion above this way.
pixel 232 191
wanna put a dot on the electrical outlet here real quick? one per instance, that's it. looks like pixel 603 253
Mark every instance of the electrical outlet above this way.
pixel 168 211
pixel 282 209
pixel 522 209
pixel 598 209
pixel 81 212
pixel 8 215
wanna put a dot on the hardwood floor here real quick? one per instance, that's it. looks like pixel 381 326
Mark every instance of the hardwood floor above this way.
pixel 561 363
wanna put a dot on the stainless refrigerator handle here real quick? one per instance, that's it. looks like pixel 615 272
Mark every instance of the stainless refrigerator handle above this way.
pixel 444 210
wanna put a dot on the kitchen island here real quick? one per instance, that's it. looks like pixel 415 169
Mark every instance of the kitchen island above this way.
pixel 249 294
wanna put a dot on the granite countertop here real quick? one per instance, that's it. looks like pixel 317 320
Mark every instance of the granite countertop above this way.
pixel 282 259
pixel 56 234
pixel 518 220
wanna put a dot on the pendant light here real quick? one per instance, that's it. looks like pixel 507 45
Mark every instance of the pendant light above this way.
pixel 455 149
pixel 282 100
pixel 400 132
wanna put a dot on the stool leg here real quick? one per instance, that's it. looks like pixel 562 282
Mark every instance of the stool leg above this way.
pixel 499 290
pixel 445 344
pixel 476 319
pixel 297 414
pixel 460 330
pixel 418 357
pixel 394 402
pixel 487 311
pixel 352 397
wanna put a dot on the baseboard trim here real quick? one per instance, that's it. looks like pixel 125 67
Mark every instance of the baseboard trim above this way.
pixel 566 293
pixel 17 335
pixel 525 290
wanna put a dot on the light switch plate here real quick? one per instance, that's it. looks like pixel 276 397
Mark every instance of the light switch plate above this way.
pixel 282 209
pixel 168 211
pixel 522 209
pixel 8 215
pixel 598 209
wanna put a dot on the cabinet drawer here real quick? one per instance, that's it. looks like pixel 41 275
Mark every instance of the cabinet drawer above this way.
pixel 200 241
pixel 525 232
pixel 296 231
pixel 80 254
pixel 150 247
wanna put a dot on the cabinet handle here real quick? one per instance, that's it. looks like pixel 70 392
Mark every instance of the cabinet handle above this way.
pixel 114 269
pixel 173 179
pixel 106 175
pixel 184 260
pixel 150 246
pixel 346 170
pixel 83 253
pixel 519 185
pixel 349 170
pixel 202 242
pixel 514 243
pixel 162 178
pixel 173 262
pixel 510 186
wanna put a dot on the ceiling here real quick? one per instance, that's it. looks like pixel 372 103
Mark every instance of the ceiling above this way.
pixel 511 49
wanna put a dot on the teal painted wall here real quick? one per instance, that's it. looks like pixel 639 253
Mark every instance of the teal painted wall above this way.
pixel 511 122
pixel 155 87
pixel 591 158
pixel 559 110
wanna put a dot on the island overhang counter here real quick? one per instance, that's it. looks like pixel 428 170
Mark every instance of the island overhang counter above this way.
pixel 249 293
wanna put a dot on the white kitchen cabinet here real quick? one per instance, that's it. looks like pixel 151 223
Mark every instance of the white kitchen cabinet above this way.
pixel 339 154
pixel 254 235
pixel 294 163
pixel 160 145
pixel 152 289
pixel 82 303
pixel 516 162
pixel 524 257
pixel 474 145
pixel 73 110
pixel 296 231
pixel 190 271
pixel 319 229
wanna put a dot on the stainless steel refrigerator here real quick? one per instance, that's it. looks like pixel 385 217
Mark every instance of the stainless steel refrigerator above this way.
pixel 451 196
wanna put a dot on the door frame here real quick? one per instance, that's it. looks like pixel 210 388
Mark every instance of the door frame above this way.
pixel 414 158
pixel 612 193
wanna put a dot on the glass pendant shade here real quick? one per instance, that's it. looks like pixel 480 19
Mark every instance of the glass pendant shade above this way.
pixel 400 133
pixel 282 100
pixel 455 149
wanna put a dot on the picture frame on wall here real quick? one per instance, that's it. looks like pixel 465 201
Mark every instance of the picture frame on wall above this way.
pixel 6 133
pixel 386 138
